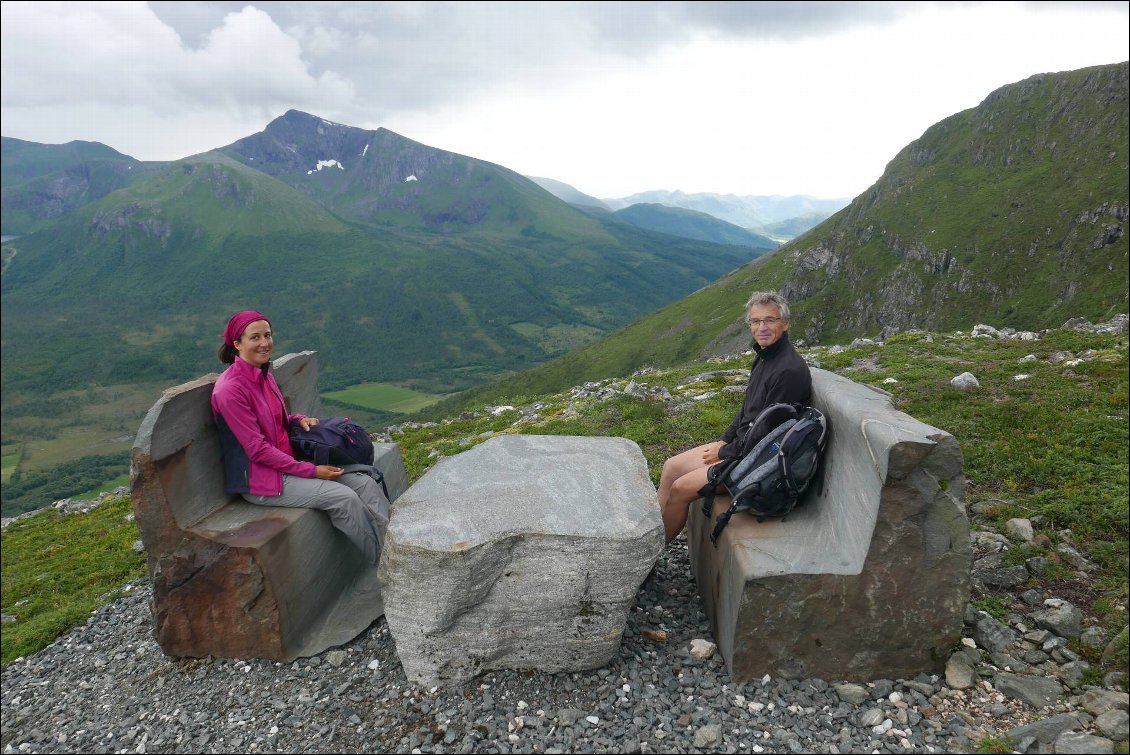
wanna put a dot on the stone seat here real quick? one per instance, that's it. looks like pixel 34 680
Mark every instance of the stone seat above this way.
pixel 867 579
pixel 524 552
pixel 230 578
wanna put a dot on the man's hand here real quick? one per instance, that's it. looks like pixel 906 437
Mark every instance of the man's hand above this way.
pixel 307 422
pixel 710 452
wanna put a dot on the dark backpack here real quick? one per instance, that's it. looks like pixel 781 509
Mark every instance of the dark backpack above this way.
pixel 769 480
pixel 339 441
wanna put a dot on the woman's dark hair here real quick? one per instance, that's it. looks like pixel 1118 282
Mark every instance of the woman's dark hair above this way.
pixel 227 353
pixel 234 331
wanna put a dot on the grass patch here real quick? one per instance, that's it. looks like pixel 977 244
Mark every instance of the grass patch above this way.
pixel 558 338
pixel 990 745
pixel 56 570
pixel 107 487
pixel 384 397
pixel 1052 444
pixel 995 605
pixel 9 462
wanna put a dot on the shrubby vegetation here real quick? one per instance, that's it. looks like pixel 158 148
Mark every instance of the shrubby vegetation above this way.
pixel 33 490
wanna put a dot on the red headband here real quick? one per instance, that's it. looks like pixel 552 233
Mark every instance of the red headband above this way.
pixel 239 322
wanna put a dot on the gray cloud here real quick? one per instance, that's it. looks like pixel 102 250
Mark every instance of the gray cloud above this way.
pixel 415 56
pixel 369 61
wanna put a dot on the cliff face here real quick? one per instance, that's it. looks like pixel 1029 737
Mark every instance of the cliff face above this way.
pixel 1015 211
pixel 45 182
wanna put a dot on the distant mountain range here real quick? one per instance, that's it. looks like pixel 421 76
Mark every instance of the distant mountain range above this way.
pixel 567 193
pixel 691 224
pixel 752 212
pixel 397 261
pixel 1012 213
pixel 772 218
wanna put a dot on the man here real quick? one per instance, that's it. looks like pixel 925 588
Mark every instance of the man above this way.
pixel 778 375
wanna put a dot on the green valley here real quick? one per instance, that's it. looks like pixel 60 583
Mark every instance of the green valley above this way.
pixel 465 273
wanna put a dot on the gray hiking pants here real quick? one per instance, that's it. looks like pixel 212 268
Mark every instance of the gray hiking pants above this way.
pixel 355 503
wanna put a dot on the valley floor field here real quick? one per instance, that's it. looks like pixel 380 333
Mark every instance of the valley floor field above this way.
pixel 384 397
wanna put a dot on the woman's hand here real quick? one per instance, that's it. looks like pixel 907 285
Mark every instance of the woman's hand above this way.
pixel 710 452
pixel 328 472
pixel 307 422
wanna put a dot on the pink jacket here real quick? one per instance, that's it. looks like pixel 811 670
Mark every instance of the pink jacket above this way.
pixel 251 416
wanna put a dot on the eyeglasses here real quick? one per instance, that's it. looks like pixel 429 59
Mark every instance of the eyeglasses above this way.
pixel 770 321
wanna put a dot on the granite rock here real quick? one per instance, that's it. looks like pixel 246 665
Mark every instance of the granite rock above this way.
pixel 524 552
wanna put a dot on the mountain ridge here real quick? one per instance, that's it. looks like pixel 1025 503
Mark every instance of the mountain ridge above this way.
pixel 568 193
pixel 692 224
pixel 379 177
pixel 416 264
pixel 43 183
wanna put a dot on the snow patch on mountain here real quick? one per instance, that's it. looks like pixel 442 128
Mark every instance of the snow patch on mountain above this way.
pixel 325 164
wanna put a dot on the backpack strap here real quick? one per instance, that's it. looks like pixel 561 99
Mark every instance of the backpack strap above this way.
pixel 723 520
pixel 714 477
pixel 372 472
pixel 788 444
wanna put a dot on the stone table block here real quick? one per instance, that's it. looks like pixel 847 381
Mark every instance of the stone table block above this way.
pixel 525 552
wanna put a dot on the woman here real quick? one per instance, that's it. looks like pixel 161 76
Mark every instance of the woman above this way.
pixel 259 462
pixel 778 375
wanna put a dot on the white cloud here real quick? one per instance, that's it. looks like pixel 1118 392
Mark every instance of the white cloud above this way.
pixel 65 53
pixel 68 68
pixel 249 59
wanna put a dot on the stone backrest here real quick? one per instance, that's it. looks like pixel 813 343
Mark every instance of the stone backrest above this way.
pixel 869 577
pixel 230 578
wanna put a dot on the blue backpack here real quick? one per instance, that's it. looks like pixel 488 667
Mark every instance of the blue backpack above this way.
pixel 339 441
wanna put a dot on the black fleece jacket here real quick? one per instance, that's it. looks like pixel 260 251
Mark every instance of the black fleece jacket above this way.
pixel 779 375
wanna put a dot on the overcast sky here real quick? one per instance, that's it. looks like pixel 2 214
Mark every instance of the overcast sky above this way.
pixel 613 98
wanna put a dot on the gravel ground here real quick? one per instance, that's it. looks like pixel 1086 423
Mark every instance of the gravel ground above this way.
pixel 107 687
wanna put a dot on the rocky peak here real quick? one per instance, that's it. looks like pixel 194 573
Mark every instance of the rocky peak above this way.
pixel 298 143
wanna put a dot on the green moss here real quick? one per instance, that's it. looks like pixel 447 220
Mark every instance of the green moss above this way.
pixel 993 745
pixel 996 606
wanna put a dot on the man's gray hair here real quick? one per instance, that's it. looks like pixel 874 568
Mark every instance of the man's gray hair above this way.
pixel 764 299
